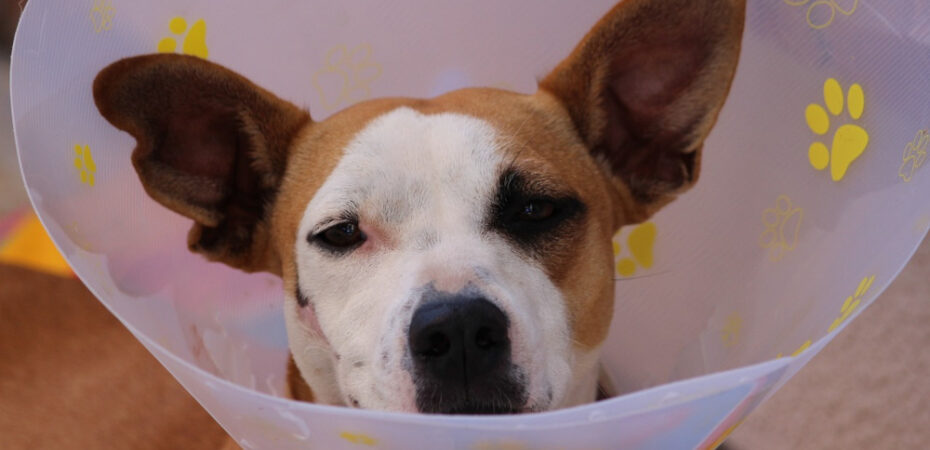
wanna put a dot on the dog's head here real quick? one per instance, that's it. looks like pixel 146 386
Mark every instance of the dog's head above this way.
pixel 446 255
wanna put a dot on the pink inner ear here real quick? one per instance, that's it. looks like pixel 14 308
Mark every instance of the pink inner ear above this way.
pixel 200 145
pixel 647 80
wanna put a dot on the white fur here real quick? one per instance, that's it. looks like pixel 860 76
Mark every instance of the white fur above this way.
pixel 422 186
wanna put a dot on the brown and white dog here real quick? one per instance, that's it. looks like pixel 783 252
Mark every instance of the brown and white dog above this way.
pixel 450 255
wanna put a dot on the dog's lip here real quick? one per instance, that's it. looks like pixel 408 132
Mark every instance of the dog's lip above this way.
pixel 470 408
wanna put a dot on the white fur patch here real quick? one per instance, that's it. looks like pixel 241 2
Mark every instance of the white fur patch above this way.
pixel 422 187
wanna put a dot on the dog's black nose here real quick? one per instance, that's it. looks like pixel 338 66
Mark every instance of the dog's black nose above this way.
pixel 461 352
pixel 459 339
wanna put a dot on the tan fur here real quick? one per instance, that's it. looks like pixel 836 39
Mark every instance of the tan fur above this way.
pixel 594 129
pixel 703 35
pixel 206 106
pixel 540 139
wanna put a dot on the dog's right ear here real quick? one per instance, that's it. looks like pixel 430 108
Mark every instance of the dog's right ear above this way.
pixel 644 88
pixel 211 145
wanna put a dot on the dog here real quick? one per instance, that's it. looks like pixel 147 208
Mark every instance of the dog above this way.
pixel 450 255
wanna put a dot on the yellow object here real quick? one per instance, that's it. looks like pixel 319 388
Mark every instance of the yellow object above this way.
pixel 803 347
pixel 640 241
pixel 29 246
pixel 819 155
pixel 852 302
pixel 194 43
pixel 84 163
pixel 833 94
pixel 856 101
pixel 849 140
pixel 848 143
pixel 817 119
pixel 359 438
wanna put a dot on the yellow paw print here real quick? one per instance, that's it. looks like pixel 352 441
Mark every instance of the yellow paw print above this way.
pixel 800 349
pixel 359 438
pixel 84 163
pixel 915 155
pixel 195 42
pixel 849 140
pixel 821 13
pixel 782 227
pixel 640 241
pixel 731 330
pixel 852 302
pixel 101 15
pixel 347 76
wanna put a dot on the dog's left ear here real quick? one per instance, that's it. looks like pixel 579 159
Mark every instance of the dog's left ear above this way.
pixel 644 88
pixel 211 145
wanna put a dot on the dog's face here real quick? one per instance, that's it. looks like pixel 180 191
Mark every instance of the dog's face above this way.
pixel 448 247
pixel 449 255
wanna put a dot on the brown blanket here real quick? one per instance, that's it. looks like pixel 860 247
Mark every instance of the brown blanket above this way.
pixel 71 376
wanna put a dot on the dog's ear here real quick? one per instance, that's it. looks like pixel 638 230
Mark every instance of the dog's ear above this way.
pixel 644 88
pixel 211 146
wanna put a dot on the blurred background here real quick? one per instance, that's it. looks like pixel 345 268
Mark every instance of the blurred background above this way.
pixel 72 377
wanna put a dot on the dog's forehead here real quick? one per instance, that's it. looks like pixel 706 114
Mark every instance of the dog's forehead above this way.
pixel 405 161
pixel 401 159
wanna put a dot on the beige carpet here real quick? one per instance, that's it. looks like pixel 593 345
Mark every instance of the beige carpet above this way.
pixel 868 389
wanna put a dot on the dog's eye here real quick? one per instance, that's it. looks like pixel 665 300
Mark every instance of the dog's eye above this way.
pixel 537 210
pixel 536 215
pixel 532 213
pixel 340 237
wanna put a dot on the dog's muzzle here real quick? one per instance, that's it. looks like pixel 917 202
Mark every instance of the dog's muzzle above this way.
pixel 461 357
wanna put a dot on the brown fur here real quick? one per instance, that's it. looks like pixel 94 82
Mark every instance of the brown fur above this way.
pixel 211 145
pixel 620 124
pixel 297 387
pixel 644 88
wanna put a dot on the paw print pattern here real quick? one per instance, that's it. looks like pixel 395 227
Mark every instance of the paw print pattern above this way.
pixel 782 227
pixel 84 163
pixel 849 140
pixel 101 15
pixel 822 13
pixel 194 42
pixel 800 349
pixel 730 333
pixel 359 438
pixel 640 242
pixel 915 155
pixel 852 303
pixel 849 306
pixel 347 76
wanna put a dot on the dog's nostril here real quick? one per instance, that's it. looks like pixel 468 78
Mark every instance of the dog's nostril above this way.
pixel 459 338
pixel 461 356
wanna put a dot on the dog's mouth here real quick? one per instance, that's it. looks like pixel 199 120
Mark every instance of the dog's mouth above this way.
pixel 502 393
pixel 480 408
